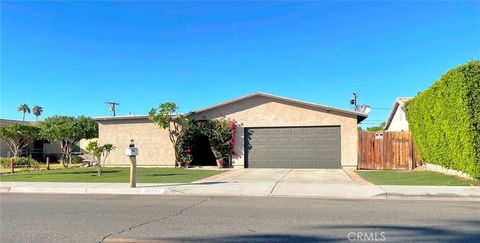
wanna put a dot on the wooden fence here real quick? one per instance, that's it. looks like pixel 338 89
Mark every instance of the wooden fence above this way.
pixel 386 150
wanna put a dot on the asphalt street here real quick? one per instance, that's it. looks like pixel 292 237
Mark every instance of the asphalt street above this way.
pixel 112 218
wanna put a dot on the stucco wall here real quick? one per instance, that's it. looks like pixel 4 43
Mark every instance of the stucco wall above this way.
pixel 399 121
pixel 155 148
pixel 82 145
pixel 52 148
pixel 4 150
pixel 266 112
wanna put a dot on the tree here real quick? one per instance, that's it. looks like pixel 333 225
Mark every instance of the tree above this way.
pixel 68 131
pixel 18 136
pixel 99 153
pixel 37 111
pixel 380 127
pixel 166 116
pixel 24 109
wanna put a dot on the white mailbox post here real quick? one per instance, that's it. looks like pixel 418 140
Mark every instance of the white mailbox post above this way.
pixel 132 153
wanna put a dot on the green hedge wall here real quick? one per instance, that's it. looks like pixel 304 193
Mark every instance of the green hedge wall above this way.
pixel 445 120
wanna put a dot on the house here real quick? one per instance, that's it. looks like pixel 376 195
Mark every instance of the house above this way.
pixel 273 132
pixel 38 150
pixel 397 120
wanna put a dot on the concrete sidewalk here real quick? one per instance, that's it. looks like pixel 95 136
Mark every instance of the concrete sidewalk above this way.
pixel 265 189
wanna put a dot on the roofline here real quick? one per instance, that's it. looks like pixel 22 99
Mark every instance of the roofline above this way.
pixel 113 118
pixel 362 116
pixel 13 121
pixel 396 103
pixel 391 114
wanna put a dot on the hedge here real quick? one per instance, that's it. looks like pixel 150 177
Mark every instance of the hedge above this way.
pixel 445 120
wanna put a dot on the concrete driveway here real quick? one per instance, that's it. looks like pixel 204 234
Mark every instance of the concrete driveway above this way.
pixel 280 182
pixel 310 176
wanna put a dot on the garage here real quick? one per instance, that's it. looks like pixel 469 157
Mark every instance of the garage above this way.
pixel 293 147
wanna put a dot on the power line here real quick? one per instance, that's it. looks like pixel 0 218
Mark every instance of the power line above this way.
pixel 381 108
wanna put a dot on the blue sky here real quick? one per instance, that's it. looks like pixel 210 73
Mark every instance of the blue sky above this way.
pixel 71 57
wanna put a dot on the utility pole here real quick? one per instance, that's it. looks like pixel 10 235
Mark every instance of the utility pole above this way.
pixel 353 101
pixel 113 106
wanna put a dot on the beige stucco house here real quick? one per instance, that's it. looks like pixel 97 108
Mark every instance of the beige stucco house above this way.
pixel 273 132
pixel 397 121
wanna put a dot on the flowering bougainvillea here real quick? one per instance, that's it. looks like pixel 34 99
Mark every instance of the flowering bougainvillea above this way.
pixel 220 133
pixel 232 124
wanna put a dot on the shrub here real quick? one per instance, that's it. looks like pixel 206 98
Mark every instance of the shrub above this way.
pixel 100 153
pixel 20 162
pixel 220 133
pixel 5 162
pixel 35 165
pixel 76 159
pixel 445 120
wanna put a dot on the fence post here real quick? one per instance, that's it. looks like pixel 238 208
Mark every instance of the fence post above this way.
pixel 48 163
pixel 410 152
pixel 359 148
pixel 12 170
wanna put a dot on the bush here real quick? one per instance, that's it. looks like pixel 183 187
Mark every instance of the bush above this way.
pixel 4 162
pixel 220 133
pixel 20 162
pixel 445 120
pixel 34 164
pixel 76 159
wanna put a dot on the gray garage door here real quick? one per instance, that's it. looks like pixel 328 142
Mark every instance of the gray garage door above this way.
pixel 293 147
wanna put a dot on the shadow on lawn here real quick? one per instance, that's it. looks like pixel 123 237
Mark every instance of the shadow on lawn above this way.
pixel 85 172
pixel 171 174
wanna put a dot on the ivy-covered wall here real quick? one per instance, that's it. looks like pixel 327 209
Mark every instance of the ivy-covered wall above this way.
pixel 445 120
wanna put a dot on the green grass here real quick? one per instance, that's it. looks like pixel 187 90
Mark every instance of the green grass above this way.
pixel 113 174
pixel 414 178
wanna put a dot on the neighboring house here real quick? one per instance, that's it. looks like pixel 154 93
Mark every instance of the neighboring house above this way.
pixel 397 121
pixel 38 150
pixel 273 132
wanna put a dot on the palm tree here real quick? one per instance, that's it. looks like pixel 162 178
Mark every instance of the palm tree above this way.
pixel 37 111
pixel 24 108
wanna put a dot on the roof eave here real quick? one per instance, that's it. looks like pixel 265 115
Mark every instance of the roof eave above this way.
pixel 115 118
pixel 360 116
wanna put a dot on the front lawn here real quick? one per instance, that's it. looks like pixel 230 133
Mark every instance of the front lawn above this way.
pixel 413 178
pixel 113 174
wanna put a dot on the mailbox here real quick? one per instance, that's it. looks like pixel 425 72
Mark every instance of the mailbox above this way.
pixel 131 151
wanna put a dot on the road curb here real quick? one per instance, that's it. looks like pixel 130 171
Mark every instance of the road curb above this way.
pixel 4 189
pixel 169 191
